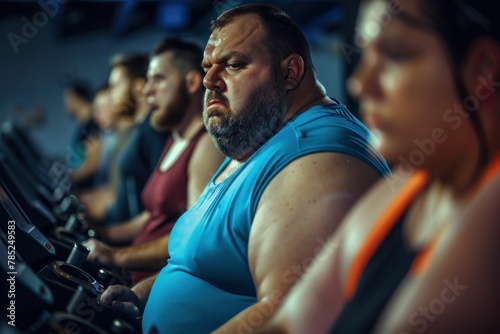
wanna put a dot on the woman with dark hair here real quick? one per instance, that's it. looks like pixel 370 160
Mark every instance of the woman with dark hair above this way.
pixel 419 252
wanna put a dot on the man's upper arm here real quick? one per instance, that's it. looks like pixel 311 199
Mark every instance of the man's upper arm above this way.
pixel 298 211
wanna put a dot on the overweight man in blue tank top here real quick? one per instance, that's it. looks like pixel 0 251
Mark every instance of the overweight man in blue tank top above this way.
pixel 297 161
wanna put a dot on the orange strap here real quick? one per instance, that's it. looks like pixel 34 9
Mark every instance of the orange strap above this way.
pixel 492 170
pixel 381 228
pixel 421 262
pixel 423 258
pixel 391 216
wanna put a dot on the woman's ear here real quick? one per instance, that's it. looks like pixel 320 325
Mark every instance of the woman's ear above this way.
pixel 482 68
pixel 293 69
pixel 194 81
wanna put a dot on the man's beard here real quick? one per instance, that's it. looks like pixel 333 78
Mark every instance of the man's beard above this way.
pixel 240 134
pixel 173 113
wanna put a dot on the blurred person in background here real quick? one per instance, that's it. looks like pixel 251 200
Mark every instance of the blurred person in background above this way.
pixel 84 149
pixel 126 81
pixel 103 116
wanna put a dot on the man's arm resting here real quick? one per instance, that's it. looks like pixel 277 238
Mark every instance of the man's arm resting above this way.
pixel 131 301
pixel 125 232
pixel 149 256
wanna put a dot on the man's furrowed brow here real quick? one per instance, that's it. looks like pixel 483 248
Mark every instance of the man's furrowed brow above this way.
pixel 223 58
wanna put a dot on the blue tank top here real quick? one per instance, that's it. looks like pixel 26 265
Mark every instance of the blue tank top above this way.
pixel 207 279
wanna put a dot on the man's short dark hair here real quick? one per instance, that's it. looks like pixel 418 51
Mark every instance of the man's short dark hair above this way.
pixel 136 65
pixel 79 89
pixel 187 55
pixel 102 88
pixel 282 35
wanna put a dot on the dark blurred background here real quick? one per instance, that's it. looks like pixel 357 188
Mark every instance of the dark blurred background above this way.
pixel 48 43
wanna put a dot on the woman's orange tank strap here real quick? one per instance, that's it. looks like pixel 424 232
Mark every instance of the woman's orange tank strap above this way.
pixel 424 257
pixel 391 216
pixel 382 227
pixel 492 170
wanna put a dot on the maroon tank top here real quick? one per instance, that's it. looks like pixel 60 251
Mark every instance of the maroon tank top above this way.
pixel 165 197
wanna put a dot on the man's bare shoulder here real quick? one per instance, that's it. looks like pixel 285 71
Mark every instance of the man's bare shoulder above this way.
pixel 301 207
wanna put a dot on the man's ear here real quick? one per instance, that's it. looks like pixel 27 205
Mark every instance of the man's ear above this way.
pixel 194 81
pixel 482 67
pixel 293 69
pixel 137 87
